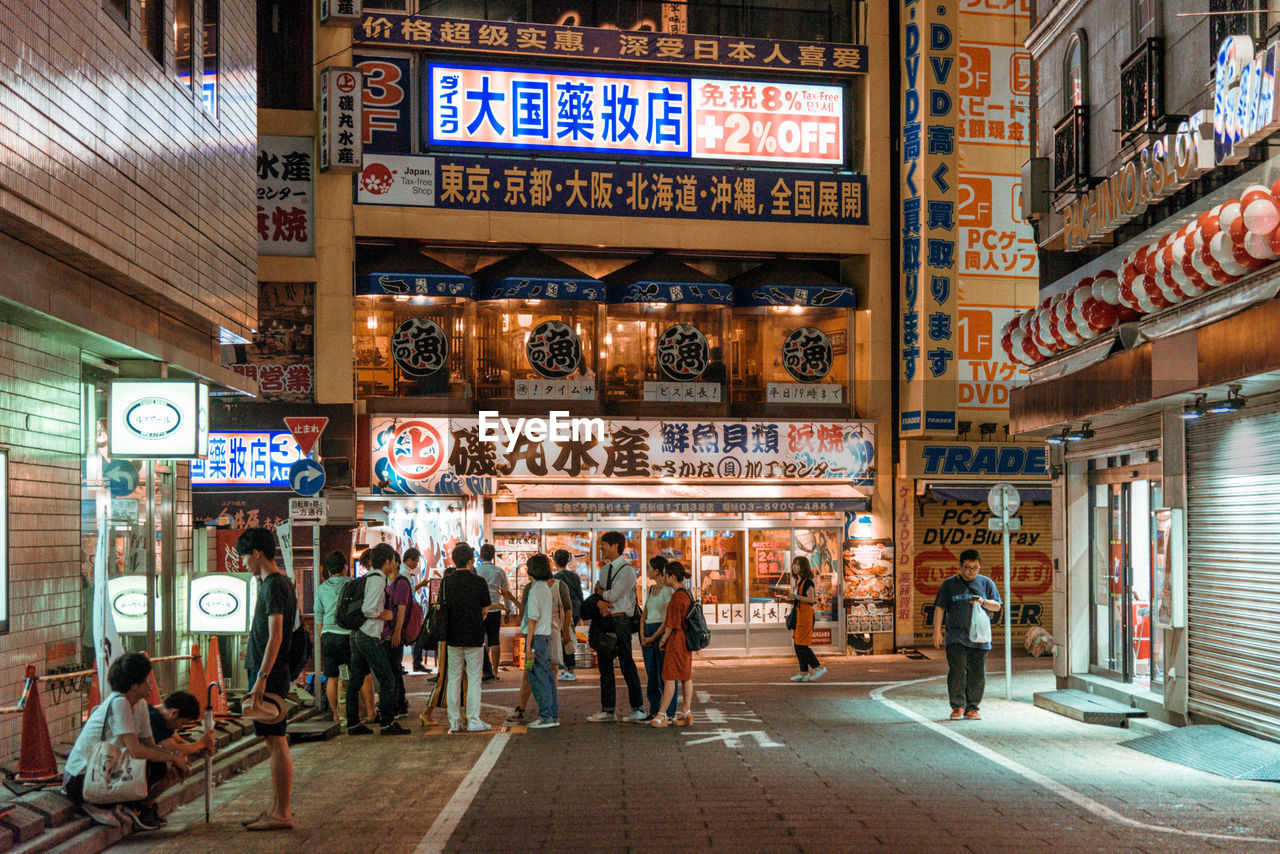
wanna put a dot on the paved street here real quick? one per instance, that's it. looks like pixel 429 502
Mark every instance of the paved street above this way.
pixel 862 761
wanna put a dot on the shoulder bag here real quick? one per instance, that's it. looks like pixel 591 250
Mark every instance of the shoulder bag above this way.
pixel 433 625
pixel 113 776
pixel 696 634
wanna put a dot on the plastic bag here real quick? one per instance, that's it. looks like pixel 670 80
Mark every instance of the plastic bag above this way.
pixel 979 624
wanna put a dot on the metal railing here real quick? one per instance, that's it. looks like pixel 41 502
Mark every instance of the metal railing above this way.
pixel 1142 90
pixel 1071 150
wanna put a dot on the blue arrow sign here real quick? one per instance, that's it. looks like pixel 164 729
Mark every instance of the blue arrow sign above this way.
pixel 306 476
pixel 121 477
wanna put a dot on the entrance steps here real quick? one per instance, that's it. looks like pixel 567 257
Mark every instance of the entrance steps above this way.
pixel 1087 708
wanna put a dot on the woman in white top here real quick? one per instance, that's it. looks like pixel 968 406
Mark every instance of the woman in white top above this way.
pixel 655 613
pixel 541 614
pixel 124 716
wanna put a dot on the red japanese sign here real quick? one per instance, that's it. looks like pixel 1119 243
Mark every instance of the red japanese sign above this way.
pixel 306 431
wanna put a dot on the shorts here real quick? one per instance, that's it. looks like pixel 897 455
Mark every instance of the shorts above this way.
pixel 335 651
pixel 493 628
pixel 279 687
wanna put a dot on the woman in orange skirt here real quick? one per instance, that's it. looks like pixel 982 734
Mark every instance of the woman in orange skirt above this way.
pixel 804 594
pixel 677 665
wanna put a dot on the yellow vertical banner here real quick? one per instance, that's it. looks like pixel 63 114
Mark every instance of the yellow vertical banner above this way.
pixel 930 182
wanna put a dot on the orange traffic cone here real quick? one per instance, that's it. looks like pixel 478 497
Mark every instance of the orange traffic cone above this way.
pixel 154 697
pixel 196 684
pixel 95 693
pixel 36 763
pixel 213 673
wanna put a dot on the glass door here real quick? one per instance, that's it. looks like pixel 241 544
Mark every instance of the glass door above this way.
pixel 722 568
pixel 1123 579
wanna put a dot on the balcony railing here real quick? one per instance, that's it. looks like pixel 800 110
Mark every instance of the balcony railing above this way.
pixel 1071 150
pixel 1142 90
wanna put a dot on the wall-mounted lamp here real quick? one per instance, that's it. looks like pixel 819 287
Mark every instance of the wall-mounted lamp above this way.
pixel 962 429
pixel 1233 402
pixel 986 429
pixel 1055 471
pixel 1057 438
pixel 1080 435
pixel 1195 409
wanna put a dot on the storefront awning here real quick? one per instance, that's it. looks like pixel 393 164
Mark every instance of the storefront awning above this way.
pixel 661 278
pixel 587 497
pixel 406 271
pixel 532 274
pixel 789 282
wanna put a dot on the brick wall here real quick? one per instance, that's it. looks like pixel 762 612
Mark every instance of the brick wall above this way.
pixel 109 163
pixel 39 426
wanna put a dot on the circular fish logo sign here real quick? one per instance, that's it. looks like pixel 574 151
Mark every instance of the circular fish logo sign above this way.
pixel 554 350
pixel 807 354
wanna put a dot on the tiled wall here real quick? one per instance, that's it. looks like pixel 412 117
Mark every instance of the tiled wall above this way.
pixel 111 164
pixel 39 426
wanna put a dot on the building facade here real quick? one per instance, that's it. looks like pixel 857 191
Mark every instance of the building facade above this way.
pixel 668 224
pixel 126 252
pixel 1150 353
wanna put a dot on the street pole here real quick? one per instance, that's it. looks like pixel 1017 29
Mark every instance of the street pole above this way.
pixel 1008 602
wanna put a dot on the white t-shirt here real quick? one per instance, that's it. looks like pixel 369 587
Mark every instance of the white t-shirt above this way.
pixel 540 608
pixel 123 720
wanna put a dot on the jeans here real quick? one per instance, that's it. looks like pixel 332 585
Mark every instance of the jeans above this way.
pixel 808 661
pixel 369 656
pixel 653 658
pixel 966 676
pixel 460 657
pixel 395 660
pixel 542 681
pixel 608 686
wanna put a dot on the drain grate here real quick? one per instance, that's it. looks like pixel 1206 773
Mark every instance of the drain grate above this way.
pixel 913 653
pixel 1215 749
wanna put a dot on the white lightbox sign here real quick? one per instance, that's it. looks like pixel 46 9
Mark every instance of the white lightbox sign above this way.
pixel 157 419
pixel 218 603
pixel 127 595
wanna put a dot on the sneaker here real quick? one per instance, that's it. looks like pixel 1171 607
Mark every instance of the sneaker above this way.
pixel 418 668
pixel 815 675
pixel 394 728
pixel 458 727
pixel 359 729
pixel 637 716
pixel 957 714
pixel 801 677
pixel 434 677
pixel 478 726
pixel 101 815
pixel 151 814
pixel 402 714
pixel 138 817
pixel 516 717
pixel 568 676
pixel 972 715
pixel 543 723
pixel 602 717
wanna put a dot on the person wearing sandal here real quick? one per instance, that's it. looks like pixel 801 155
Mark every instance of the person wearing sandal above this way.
pixel 677 663
pixel 804 594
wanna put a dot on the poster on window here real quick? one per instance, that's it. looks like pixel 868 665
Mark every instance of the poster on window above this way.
pixel 280 358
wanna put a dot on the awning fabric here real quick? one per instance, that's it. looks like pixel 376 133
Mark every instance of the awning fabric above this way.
pixel 789 282
pixel 597 497
pixel 661 278
pixel 532 274
pixel 404 270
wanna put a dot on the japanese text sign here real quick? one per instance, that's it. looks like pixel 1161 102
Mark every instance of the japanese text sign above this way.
pixel 306 430
pixel 285 196
pixel 341 11
pixel 598 113
pixel 605 45
pixel 247 458
pixel 341 120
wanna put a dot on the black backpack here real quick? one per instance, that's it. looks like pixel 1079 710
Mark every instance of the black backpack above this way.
pixel 350 608
pixel 696 634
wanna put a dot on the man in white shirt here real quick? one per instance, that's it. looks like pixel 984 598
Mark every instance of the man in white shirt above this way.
pixel 367 653
pixel 617 602
pixel 499 589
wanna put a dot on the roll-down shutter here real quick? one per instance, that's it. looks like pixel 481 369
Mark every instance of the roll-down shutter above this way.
pixel 1233 568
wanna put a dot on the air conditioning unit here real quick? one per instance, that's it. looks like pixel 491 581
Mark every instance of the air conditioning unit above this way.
pixel 342 507
pixel 1036 189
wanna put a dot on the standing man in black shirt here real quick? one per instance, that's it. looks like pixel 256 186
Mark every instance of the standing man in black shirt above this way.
pixel 465 597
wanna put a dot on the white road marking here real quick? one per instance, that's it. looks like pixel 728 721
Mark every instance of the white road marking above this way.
pixel 438 836
pixel 1062 791
pixel 732 739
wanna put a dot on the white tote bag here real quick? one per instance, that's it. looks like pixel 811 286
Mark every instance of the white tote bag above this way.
pixel 979 624
pixel 112 775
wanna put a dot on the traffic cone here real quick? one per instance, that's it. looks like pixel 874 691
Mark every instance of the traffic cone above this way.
pixel 36 763
pixel 196 684
pixel 213 673
pixel 154 697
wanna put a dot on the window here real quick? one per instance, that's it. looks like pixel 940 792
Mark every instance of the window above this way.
pixel 209 23
pixel 151 30
pixel 284 54
pixel 1074 74
pixel 1142 21
pixel 183 45
pixel 1222 25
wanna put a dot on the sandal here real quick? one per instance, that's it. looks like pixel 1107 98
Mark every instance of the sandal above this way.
pixel 683 719
pixel 659 720
pixel 257 818
pixel 270 822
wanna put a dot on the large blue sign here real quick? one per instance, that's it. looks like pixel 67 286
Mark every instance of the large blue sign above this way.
pixel 985 460
pixel 247 458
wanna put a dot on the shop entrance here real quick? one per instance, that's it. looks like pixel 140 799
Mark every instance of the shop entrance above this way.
pixel 740 567
pixel 1125 643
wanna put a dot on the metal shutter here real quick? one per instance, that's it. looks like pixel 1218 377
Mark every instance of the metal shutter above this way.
pixel 1233 568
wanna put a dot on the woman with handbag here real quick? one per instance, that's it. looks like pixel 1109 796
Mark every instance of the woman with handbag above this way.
pixel 115 761
pixel 800 621
pixel 677 661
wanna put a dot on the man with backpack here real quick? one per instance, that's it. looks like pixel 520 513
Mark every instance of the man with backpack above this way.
pixel 362 608
pixel 616 603
pixel 267 661
pixel 335 641
pixel 573 583
pixel 953 614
